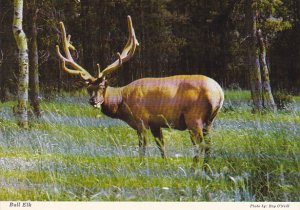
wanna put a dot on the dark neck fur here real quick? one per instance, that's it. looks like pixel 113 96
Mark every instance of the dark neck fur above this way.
pixel 112 101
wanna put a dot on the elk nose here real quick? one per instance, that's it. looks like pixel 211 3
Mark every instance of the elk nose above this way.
pixel 92 101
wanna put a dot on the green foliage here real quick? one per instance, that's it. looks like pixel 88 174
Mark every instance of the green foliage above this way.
pixel 176 37
pixel 282 99
pixel 273 17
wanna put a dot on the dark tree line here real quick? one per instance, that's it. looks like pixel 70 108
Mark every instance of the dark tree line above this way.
pixel 250 44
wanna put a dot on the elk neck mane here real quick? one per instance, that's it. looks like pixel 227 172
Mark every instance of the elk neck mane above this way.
pixel 112 101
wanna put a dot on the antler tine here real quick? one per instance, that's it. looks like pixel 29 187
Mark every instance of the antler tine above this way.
pixel 132 42
pixel 127 52
pixel 68 60
pixel 99 70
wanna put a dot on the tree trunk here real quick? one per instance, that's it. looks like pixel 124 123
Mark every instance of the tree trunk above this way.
pixel 268 100
pixel 298 10
pixel 7 63
pixel 87 43
pixel 142 46
pixel 1 59
pixel 34 67
pixel 298 32
pixel 20 37
pixel 253 53
pixel 1 56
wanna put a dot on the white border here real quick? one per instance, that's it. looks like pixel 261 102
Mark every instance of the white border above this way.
pixel 147 205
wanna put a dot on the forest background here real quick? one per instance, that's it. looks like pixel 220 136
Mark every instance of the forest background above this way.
pixel 209 37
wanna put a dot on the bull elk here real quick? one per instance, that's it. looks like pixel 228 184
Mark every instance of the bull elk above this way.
pixel 181 102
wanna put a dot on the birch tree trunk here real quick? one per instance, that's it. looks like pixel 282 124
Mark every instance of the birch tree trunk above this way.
pixel 34 66
pixel 268 100
pixel 253 53
pixel 23 77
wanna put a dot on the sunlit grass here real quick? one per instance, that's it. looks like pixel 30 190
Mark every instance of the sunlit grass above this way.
pixel 241 95
pixel 66 155
pixel 280 116
pixel 70 109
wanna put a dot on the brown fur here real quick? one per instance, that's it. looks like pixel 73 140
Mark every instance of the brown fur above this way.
pixel 180 102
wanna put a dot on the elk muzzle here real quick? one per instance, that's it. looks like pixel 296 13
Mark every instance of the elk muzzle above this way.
pixel 96 101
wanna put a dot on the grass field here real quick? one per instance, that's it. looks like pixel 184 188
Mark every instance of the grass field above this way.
pixel 76 153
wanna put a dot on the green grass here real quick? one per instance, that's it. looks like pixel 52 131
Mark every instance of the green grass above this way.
pixel 69 109
pixel 297 98
pixel 66 109
pixel 242 95
pixel 255 157
pixel 246 115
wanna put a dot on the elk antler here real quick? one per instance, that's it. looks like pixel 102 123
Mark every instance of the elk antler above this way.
pixel 127 52
pixel 78 70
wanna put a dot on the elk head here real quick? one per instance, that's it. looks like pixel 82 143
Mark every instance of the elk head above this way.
pixel 96 85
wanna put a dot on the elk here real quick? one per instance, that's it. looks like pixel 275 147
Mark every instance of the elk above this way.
pixel 180 102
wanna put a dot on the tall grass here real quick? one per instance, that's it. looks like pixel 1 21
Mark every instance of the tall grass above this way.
pixel 76 153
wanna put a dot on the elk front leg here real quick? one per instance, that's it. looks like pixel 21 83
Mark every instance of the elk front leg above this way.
pixel 155 123
pixel 157 133
pixel 142 135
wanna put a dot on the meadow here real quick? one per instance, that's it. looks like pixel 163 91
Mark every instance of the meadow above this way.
pixel 75 153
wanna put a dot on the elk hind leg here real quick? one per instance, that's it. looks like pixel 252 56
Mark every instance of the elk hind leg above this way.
pixel 206 145
pixel 207 137
pixel 197 140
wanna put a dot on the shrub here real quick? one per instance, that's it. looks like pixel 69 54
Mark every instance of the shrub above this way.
pixel 282 99
pixel 234 86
